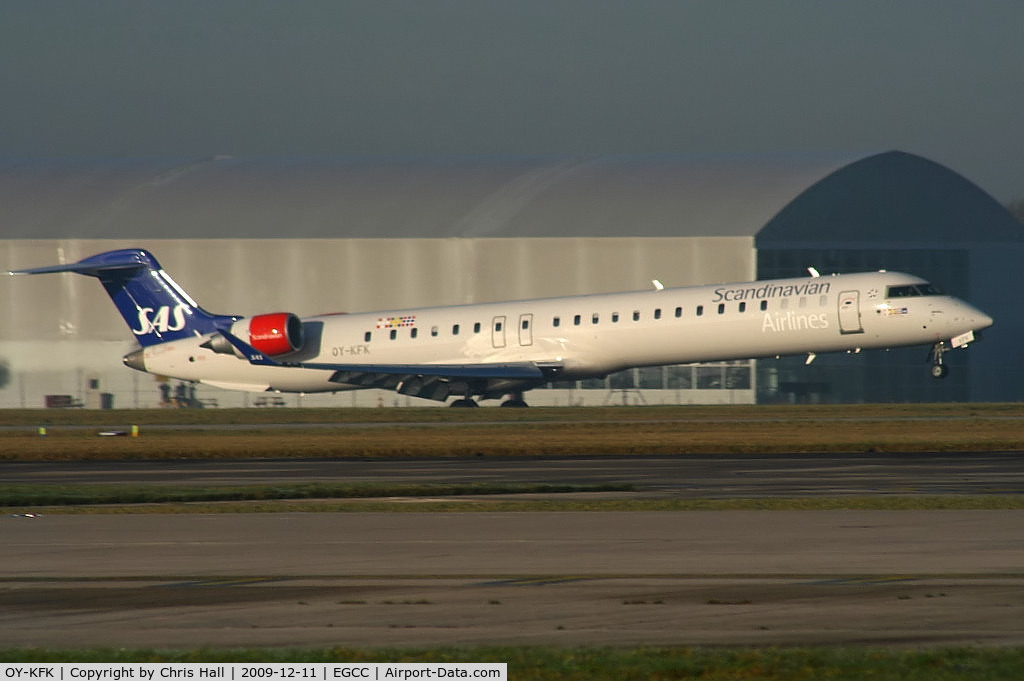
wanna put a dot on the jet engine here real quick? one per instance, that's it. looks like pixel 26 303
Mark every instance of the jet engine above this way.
pixel 274 334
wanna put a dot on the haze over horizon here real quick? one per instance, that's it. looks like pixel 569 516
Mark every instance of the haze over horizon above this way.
pixel 119 78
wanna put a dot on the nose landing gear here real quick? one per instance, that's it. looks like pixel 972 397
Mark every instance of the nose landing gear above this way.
pixel 938 370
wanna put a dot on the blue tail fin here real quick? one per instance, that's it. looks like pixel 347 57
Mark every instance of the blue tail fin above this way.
pixel 155 308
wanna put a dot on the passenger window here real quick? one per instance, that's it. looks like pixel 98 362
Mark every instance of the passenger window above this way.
pixel 764 305
pixel 657 313
pixel 700 310
pixel 615 317
pixel 594 318
pixel 636 315
pixel 476 327
pixel 743 307
pixel 497 326
pixel 412 332
pixel 526 324
pixel 433 331
pixel 394 334
pixel 556 321
pixel 455 330
pixel 784 303
pixel 576 320
pixel 367 336
pixel 721 308
pixel 679 312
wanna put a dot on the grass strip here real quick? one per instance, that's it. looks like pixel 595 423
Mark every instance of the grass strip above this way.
pixel 71 435
pixel 586 438
pixel 31 418
pixel 626 664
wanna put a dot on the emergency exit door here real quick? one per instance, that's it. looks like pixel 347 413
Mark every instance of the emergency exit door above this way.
pixel 498 332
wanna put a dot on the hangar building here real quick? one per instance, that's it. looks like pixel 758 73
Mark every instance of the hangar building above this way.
pixel 245 236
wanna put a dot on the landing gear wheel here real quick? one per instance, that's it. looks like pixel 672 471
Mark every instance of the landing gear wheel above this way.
pixel 515 400
pixel 463 403
pixel 940 371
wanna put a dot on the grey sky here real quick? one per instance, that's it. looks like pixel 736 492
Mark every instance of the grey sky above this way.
pixel 939 78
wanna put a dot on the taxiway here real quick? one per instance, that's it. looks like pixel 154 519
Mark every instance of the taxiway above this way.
pixel 427 579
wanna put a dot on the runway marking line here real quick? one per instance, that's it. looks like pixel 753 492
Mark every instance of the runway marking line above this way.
pixel 535 581
pixel 226 581
pixel 881 579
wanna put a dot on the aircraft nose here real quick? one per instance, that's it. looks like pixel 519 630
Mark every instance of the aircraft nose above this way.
pixel 982 320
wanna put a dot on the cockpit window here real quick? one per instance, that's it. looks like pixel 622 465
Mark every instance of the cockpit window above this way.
pixel 912 291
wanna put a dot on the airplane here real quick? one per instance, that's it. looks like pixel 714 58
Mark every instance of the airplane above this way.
pixel 502 349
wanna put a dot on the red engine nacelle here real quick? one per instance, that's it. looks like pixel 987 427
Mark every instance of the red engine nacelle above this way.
pixel 275 334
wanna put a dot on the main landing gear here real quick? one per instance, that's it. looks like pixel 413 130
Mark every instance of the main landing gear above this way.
pixel 939 370
pixel 515 400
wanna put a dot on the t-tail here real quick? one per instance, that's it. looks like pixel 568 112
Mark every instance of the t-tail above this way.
pixel 155 308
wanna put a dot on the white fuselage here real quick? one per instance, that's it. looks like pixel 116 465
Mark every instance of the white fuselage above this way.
pixel 597 334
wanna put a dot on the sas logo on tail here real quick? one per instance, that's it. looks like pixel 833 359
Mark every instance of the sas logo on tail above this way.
pixel 160 320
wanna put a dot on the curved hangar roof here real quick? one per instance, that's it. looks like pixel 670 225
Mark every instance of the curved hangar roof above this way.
pixel 773 198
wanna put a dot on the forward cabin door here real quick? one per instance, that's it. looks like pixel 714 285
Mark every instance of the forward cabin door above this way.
pixel 849 312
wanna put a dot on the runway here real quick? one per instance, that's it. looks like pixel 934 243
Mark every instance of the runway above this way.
pixel 905 578
pixel 688 475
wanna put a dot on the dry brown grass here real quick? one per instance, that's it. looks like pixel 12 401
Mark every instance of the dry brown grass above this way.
pixel 502 432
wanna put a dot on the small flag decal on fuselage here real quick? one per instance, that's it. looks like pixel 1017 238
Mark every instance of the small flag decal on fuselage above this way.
pixel 395 322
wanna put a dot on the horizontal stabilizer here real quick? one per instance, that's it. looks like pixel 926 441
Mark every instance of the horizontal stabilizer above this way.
pixel 153 306
pixel 104 262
